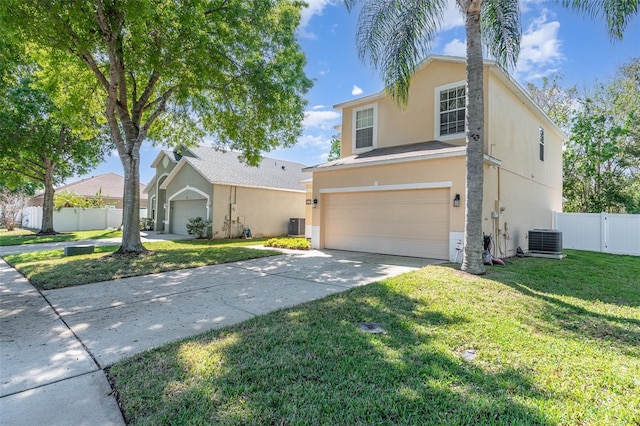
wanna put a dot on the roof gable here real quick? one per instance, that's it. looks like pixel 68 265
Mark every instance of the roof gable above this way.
pixel 111 185
pixel 225 168
pixel 490 66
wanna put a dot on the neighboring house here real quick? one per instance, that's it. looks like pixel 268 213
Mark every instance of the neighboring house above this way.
pixel 399 186
pixel 109 185
pixel 204 182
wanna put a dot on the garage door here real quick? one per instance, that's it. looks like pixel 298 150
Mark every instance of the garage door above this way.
pixel 406 223
pixel 182 211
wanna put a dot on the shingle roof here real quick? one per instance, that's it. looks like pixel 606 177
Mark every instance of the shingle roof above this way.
pixel 112 186
pixel 400 152
pixel 225 168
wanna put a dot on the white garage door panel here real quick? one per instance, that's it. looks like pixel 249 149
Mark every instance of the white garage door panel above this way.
pixel 182 211
pixel 407 223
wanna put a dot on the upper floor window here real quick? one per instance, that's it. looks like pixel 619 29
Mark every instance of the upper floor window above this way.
pixel 541 140
pixel 364 127
pixel 450 110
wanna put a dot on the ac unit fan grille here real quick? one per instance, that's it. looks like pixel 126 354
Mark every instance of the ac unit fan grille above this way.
pixel 545 241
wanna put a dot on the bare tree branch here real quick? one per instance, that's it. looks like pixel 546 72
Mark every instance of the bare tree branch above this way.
pixel 161 106
pixel 141 104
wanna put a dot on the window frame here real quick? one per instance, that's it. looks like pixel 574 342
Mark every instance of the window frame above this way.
pixel 541 152
pixel 374 139
pixel 437 112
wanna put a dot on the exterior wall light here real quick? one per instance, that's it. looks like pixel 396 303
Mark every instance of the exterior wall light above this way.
pixel 456 200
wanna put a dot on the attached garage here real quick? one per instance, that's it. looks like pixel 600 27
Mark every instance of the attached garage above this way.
pixel 399 222
pixel 183 210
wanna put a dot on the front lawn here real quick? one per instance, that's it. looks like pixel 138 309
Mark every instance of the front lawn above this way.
pixel 50 269
pixel 25 236
pixel 556 342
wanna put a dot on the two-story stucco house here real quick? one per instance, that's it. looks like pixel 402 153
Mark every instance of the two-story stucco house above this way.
pixel 399 185
pixel 215 185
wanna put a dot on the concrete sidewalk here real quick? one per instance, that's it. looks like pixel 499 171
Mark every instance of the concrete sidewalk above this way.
pixel 56 345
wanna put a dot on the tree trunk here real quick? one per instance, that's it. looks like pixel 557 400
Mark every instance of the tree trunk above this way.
pixel 46 227
pixel 472 260
pixel 131 242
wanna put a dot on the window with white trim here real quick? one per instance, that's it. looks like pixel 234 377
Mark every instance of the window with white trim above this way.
pixel 364 127
pixel 450 110
pixel 541 141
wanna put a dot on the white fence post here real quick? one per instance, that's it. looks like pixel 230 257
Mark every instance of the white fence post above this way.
pixel 603 232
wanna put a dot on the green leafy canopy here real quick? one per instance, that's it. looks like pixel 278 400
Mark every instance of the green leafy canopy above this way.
pixel 228 70
pixel 173 72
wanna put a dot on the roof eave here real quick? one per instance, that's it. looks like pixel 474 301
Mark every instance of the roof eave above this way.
pixel 149 185
pixel 273 188
pixel 406 159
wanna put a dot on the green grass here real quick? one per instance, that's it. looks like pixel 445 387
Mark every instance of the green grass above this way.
pixel 25 236
pixel 289 243
pixel 558 342
pixel 50 269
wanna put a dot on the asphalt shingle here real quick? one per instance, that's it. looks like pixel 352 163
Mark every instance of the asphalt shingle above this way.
pixel 226 168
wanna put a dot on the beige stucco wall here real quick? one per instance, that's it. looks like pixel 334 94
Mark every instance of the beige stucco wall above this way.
pixel 527 205
pixel 529 189
pixel 431 171
pixel 308 209
pixel 265 211
pixel 415 123
pixel 513 137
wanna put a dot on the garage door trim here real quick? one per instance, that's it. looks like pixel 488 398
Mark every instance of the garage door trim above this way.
pixel 187 188
pixel 419 185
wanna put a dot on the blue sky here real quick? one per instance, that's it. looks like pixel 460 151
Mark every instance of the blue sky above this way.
pixel 554 41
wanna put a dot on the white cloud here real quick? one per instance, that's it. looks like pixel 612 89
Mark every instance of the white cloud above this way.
pixel 356 90
pixel 529 5
pixel 315 141
pixel 452 17
pixel 317 107
pixel 540 52
pixel 455 47
pixel 314 7
pixel 324 120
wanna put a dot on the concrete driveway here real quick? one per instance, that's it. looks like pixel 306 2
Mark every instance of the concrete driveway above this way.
pixel 55 344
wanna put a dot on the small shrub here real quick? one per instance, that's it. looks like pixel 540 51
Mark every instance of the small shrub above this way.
pixel 198 226
pixel 289 243
pixel 11 206
pixel 146 224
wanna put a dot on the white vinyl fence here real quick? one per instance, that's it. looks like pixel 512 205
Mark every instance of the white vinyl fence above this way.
pixel 77 219
pixel 603 232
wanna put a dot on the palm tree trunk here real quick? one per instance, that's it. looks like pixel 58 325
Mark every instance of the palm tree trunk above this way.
pixel 472 261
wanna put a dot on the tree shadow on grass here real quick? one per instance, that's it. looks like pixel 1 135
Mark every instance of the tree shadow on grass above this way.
pixel 85 270
pixel 313 365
